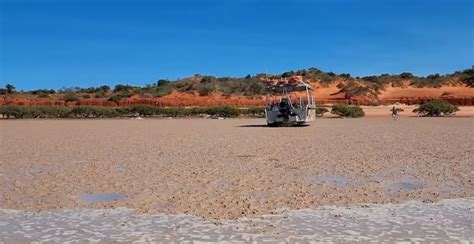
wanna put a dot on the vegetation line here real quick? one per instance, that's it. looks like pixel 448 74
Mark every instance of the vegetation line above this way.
pixel 249 85
pixel 84 112
pixel 431 108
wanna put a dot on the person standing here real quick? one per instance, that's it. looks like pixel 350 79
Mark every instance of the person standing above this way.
pixel 394 113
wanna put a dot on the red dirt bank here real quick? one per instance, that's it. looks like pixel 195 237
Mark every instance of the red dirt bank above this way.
pixel 460 95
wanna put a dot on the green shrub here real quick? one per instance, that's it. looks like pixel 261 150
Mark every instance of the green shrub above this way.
pixel 20 112
pixel 147 110
pixel 406 75
pixel 55 111
pixel 144 110
pixel 39 91
pixel 253 111
pixel 110 112
pixel 100 94
pixel 205 89
pixel 58 112
pixel 94 112
pixel 43 95
pixel 467 76
pixel 347 111
pixel 162 82
pixel 436 108
pixel 223 111
pixel 86 96
pixel 121 87
pixel 162 90
pixel 10 89
pixel 12 111
pixel 70 97
pixel 115 98
pixel 118 96
pixel 320 111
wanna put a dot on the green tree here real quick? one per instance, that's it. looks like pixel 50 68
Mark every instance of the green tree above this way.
pixel 468 77
pixel 70 97
pixel 162 82
pixel 347 111
pixel 346 75
pixel 406 75
pixel 43 95
pixel 288 74
pixel 352 88
pixel 105 88
pixel 10 88
pixel 436 108
pixel 205 89
pixel 208 79
pixel 320 111
pixel 100 94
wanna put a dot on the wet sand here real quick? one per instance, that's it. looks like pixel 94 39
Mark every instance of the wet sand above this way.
pixel 227 169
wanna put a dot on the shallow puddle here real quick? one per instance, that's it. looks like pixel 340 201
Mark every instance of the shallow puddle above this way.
pixel 407 184
pixel 404 186
pixel 224 185
pixel 337 180
pixel 120 169
pixel 378 177
pixel 104 197
pixel 36 171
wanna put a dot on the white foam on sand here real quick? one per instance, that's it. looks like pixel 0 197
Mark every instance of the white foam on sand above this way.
pixel 449 220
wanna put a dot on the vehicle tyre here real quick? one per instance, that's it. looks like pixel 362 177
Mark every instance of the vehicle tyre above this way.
pixel 271 124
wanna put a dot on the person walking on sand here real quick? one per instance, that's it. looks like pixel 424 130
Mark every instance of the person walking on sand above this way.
pixel 394 113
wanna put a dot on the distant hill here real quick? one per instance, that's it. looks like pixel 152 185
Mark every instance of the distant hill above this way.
pixel 205 90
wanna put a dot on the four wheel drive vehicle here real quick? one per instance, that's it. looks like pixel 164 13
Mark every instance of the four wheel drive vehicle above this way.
pixel 294 105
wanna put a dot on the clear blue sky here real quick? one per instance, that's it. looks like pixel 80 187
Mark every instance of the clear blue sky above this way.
pixel 64 43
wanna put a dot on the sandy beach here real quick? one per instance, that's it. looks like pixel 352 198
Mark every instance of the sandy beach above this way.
pixel 226 169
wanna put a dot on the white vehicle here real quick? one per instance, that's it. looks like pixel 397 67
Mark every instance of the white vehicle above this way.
pixel 295 104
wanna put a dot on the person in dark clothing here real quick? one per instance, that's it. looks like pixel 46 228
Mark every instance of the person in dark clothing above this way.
pixel 284 107
pixel 394 113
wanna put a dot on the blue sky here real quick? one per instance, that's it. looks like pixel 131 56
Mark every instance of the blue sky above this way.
pixel 65 43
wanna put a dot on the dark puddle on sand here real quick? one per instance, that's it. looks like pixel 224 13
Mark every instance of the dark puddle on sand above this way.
pixel 336 180
pixel 36 171
pixel 224 185
pixel 406 184
pixel 103 197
